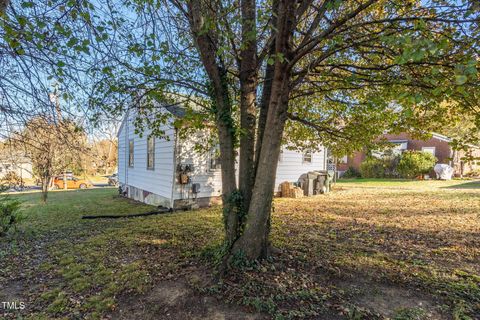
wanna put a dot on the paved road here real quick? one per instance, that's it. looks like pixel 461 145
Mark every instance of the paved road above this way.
pixel 37 188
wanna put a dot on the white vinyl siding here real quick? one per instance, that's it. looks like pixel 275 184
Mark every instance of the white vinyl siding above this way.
pixel 163 181
pixel 292 165
pixel 210 180
pixel 158 181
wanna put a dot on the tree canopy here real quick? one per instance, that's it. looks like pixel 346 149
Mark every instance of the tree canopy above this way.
pixel 301 73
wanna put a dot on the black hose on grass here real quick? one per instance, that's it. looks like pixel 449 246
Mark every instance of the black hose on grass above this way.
pixel 133 215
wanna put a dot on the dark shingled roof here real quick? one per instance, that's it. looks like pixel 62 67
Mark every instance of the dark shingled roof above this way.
pixel 176 110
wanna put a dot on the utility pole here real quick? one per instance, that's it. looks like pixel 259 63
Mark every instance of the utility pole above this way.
pixel 54 99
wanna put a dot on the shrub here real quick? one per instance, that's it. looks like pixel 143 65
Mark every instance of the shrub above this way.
pixel 473 174
pixel 351 172
pixel 385 167
pixel 372 168
pixel 390 164
pixel 9 214
pixel 11 180
pixel 415 163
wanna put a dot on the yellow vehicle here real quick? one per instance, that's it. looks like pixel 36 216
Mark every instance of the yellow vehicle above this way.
pixel 72 183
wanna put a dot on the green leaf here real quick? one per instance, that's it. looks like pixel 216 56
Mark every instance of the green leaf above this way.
pixel 460 79
pixel 22 20
pixel 280 57
pixel 28 4
pixel 73 41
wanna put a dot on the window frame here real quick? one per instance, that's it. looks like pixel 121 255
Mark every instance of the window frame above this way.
pixel 304 156
pixel 213 157
pixel 430 148
pixel 131 153
pixel 151 153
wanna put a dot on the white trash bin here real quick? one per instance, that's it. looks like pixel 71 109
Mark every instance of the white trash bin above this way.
pixel 443 171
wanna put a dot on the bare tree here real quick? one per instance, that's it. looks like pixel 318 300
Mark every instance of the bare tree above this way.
pixel 51 146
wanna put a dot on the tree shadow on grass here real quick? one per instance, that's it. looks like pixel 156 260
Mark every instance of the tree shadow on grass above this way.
pixel 465 185
pixel 404 265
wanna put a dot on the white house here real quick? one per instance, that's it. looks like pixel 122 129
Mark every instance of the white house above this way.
pixel 151 169
pixel 21 166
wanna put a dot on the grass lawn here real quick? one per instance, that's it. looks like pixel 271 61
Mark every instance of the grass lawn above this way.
pixel 97 179
pixel 371 249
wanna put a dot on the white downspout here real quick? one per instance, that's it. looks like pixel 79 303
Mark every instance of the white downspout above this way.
pixel 325 160
pixel 127 148
pixel 174 169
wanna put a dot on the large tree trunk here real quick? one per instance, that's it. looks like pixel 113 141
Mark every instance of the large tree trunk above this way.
pixel 248 90
pixel 45 186
pixel 253 243
pixel 266 92
pixel 250 238
pixel 227 160
pixel 206 43
pixel 264 103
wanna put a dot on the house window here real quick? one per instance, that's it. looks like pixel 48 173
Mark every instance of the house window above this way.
pixel 343 160
pixel 215 159
pixel 151 153
pixel 429 150
pixel 398 148
pixel 307 157
pixel 280 156
pixel 130 153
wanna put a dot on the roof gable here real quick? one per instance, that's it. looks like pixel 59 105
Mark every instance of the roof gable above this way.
pixel 441 137
pixel 175 110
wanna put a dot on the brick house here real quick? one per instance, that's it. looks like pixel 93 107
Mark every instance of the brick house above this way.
pixel 438 145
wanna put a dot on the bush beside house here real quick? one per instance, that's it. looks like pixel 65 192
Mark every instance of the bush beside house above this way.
pixel 351 172
pixel 409 164
pixel 465 160
pixel 415 163
pixel 385 167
